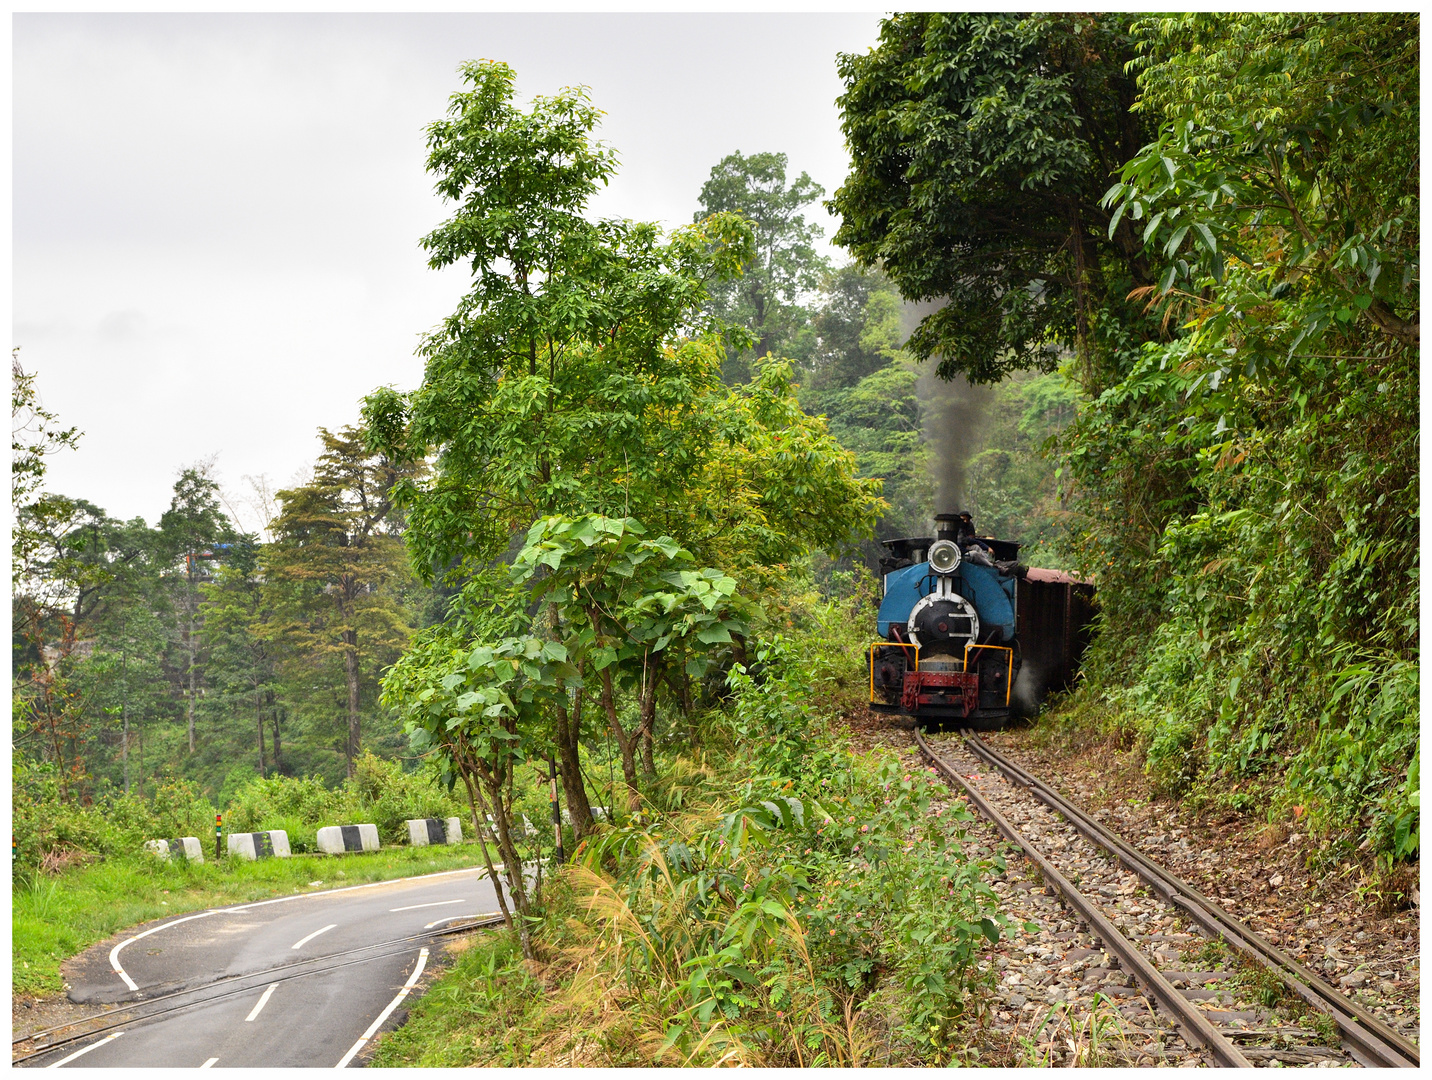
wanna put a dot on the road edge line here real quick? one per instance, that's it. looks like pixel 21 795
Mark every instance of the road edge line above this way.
pixel 114 952
pixel 373 1028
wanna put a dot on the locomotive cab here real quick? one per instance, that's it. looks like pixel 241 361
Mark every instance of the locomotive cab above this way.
pixel 949 650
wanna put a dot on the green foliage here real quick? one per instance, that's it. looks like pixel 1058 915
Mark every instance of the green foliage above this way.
pixel 980 146
pixel 333 580
pixel 764 300
pixel 1249 486
pixel 380 793
pixel 575 377
pixel 35 434
pixel 759 938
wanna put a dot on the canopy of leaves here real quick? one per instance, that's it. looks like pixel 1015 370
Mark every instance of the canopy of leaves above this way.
pixel 569 380
pixel 980 147
pixel 784 265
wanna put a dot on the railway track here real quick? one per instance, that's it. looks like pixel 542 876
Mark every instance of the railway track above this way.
pixel 1224 1037
pixel 40 1044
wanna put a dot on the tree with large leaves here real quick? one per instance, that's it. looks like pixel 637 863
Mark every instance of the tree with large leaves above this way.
pixel 623 607
pixel 579 376
pixel 614 607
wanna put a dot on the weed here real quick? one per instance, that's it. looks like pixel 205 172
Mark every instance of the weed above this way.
pixel 1098 1039
pixel 38 895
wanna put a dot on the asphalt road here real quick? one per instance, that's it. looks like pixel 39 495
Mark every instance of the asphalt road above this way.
pixel 302 1014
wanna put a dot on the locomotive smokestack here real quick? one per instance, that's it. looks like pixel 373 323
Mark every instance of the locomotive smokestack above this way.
pixel 956 525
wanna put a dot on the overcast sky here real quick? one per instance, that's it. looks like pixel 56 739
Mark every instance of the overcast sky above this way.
pixel 216 218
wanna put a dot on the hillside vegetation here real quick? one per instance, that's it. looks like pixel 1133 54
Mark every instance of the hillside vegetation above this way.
pixel 619 538
pixel 1209 225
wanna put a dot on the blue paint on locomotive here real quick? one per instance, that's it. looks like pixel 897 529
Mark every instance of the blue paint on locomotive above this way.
pixel 991 593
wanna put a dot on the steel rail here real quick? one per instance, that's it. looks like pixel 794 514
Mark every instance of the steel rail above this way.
pixel 1369 1039
pixel 1189 1019
pixel 259 978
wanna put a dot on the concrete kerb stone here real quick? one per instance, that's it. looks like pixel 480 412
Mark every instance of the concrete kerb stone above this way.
pixel 186 847
pixel 425 831
pixel 337 839
pixel 259 845
pixel 528 829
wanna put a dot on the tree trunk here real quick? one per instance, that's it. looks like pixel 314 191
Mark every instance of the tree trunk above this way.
pixel 350 667
pixel 259 716
pixel 481 835
pixel 511 860
pixel 124 715
pixel 624 744
pixel 273 716
pixel 646 727
pixel 569 730
pixel 190 648
pixel 126 748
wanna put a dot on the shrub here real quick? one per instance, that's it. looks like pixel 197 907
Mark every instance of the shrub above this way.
pixel 754 928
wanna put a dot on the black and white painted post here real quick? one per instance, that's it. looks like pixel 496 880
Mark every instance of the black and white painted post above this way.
pixel 187 848
pixel 337 839
pixel 218 830
pixel 556 810
pixel 425 831
pixel 259 845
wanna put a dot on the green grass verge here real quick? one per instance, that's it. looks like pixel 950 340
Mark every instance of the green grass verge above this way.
pixel 55 918
pixel 486 1009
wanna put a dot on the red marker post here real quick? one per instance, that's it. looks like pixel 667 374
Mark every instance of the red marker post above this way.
pixel 218 828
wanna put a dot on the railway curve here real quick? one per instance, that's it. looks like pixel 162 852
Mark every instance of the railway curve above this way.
pixel 1001 790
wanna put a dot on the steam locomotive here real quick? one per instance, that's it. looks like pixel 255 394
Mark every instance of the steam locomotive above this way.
pixel 958 613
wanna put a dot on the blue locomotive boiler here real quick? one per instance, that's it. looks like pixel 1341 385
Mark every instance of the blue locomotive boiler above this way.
pixel 962 619
pixel 949 647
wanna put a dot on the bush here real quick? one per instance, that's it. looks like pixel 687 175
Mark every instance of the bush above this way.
pixel 52 835
pixel 756 928
pixel 380 793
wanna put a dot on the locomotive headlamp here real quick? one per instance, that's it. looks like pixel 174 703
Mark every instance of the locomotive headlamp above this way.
pixel 944 556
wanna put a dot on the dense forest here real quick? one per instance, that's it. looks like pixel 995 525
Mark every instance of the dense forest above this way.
pixel 192 650
pixel 1140 293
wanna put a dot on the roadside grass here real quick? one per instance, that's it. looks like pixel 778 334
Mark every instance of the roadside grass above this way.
pixel 486 1009
pixel 55 918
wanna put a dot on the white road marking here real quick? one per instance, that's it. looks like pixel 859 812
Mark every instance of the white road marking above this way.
pixel 86 1050
pixel 260 1006
pixel 114 952
pixel 209 1064
pixel 304 941
pixel 373 1028
pixel 435 903
pixel 454 918
pixel 370 885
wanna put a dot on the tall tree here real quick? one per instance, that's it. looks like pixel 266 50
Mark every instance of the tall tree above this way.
pixel 785 265
pixel 575 377
pixel 243 665
pixel 190 530
pixel 336 567
pixel 981 145
pixel 124 673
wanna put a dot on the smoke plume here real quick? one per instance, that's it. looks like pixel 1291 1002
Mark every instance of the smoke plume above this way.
pixel 951 420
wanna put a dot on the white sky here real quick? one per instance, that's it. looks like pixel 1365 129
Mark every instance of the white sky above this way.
pixel 216 217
